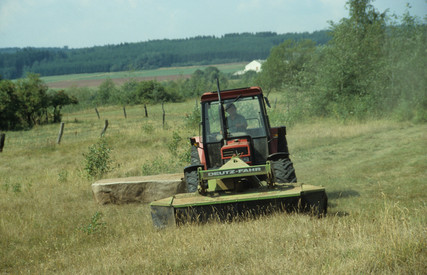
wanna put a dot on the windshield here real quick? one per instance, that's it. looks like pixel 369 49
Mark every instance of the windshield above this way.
pixel 243 117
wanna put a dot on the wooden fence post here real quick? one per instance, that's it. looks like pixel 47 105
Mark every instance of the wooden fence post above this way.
pixel 2 138
pixel 61 131
pixel 146 113
pixel 105 128
pixel 163 108
pixel 124 111
pixel 97 113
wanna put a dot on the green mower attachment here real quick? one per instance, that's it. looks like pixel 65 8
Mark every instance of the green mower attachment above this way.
pixel 223 199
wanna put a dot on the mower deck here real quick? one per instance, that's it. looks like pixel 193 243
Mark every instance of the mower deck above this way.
pixel 193 207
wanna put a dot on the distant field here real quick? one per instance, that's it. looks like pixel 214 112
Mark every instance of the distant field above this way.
pixel 94 79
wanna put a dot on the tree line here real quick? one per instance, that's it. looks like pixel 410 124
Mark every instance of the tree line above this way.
pixel 235 47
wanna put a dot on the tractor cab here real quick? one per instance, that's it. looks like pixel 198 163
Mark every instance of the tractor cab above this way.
pixel 237 128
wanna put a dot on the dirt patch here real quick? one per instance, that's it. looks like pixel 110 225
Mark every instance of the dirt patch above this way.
pixel 91 83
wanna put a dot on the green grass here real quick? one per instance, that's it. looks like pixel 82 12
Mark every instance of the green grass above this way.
pixel 374 173
pixel 225 68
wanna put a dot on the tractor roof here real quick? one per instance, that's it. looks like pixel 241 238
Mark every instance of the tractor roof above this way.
pixel 229 94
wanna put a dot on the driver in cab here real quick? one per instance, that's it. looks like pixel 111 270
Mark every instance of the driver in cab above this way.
pixel 235 122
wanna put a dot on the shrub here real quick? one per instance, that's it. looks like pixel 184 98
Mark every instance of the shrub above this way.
pixel 174 144
pixel 97 160
pixel 180 150
pixel 95 224
pixel 148 128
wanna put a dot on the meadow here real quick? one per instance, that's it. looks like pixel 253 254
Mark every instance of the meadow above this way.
pixel 170 73
pixel 374 173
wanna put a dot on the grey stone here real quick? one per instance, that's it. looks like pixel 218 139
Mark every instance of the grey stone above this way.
pixel 138 189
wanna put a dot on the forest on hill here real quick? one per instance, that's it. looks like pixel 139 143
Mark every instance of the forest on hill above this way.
pixel 235 47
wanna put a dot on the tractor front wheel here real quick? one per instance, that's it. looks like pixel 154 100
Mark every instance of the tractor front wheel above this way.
pixel 192 180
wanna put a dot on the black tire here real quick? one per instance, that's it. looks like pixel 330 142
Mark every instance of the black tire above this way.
pixel 195 160
pixel 192 181
pixel 284 171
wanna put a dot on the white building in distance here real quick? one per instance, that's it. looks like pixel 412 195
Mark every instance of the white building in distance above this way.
pixel 255 65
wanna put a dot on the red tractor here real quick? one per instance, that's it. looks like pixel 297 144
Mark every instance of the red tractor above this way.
pixel 240 166
pixel 235 123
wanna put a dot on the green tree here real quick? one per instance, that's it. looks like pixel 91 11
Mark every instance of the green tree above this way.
pixel 9 105
pixel 106 91
pixel 285 65
pixel 128 92
pixel 58 100
pixel 151 92
pixel 351 69
pixel 27 103
pixel 196 84
pixel 248 79
pixel 205 81
pixel 211 74
pixel 406 57
pixel 31 93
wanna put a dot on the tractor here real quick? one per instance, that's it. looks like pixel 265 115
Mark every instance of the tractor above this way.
pixel 254 141
pixel 239 165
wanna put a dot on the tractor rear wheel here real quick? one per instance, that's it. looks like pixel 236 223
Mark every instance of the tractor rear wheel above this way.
pixel 195 159
pixel 192 181
pixel 284 171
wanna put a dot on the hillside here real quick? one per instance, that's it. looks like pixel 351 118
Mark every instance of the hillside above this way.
pixel 94 80
pixel 15 62
pixel 374 173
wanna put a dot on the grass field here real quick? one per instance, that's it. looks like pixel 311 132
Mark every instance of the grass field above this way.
pixel 95 79
pixel 374 173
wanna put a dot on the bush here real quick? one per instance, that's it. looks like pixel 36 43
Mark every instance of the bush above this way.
pixel 97 160
pixel 179 149
pixel 95 224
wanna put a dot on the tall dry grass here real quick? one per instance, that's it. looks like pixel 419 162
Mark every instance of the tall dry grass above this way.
pixel 374 173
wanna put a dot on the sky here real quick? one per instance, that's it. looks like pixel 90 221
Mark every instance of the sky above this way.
pixel 88 23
